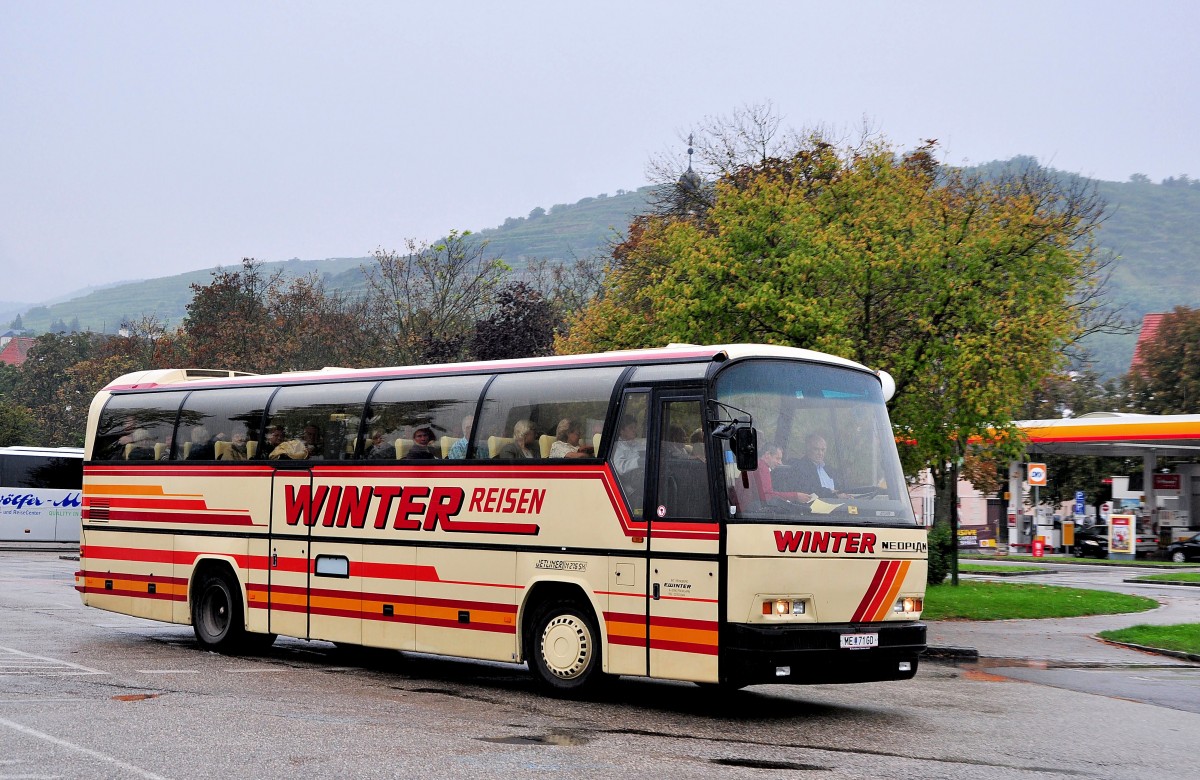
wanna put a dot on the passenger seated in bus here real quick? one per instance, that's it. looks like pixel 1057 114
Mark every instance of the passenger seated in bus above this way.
pixel 812 475
pixel 521 446
pixel 696 444
pixel 423 447
pixel 378 446
pixel 275 436
pixel 458 450
pixel 311 437
pixel 237 447
pixel 675 443
pixel 628 450
pixel 202 446
pixel 567 442
pixel 140 446
pixel 769 459
pixel 295 449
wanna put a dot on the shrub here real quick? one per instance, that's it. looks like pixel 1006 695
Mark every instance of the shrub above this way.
pixel 941 548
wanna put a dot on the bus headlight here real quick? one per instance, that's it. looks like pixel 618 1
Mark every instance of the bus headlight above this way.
pixel 782 607
pixel 908 605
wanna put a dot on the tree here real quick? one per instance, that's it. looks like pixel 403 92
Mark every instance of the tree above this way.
pixel 429 296
pixel 18 426
pixel 226 325
pixel 310 327
pixel 522 325
pixel 1166 379
pixel 967 289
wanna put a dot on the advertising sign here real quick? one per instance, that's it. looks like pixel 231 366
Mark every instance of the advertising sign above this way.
pixel 39 515
pixel 1167 484
pixel 1121 539
pixel 1036 474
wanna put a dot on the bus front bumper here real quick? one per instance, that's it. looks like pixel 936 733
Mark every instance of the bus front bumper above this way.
pixel 809 655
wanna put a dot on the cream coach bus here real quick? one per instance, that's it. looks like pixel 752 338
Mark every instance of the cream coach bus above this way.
pixel 648 512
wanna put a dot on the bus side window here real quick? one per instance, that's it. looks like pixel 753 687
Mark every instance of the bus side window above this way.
pixel 628 453
pixel 682 476
pixel 147 417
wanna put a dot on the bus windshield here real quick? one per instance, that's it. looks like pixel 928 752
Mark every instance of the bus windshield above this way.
pixel 826 448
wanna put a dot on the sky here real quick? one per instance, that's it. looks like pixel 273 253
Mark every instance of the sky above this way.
pixel 147 139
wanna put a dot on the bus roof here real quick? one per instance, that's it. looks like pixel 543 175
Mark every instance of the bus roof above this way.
pixel 59 452
pixel 676 353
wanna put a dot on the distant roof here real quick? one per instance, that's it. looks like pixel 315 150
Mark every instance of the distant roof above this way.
pixel 1150 323
pixel 15 351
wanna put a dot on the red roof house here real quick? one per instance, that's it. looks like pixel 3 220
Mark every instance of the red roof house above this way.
pixel 15 349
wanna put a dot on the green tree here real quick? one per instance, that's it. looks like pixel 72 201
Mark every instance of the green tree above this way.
pixel 1166 379
pixel 18 426
pixel 967 289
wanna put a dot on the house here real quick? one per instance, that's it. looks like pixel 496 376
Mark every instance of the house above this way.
pixel 14 346
pixel 1150 323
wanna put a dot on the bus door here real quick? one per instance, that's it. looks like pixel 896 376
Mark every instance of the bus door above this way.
pixel 292 516
pixel 684 542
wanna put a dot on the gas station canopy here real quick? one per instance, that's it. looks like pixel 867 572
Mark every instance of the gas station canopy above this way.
pixel 1115 434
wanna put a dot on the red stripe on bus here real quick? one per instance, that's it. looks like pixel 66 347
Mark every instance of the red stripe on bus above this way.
pixel 137 594
pixel 880 571
pixel 91 551
pixel 691 623
pixel 683 647
pixel 628 641
pixel 218 517
pixel 150 503
pixel 884 573
pixel 179 470
pixel 109 575
pixel 421 620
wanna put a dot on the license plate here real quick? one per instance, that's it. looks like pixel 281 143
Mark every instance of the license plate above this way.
pixel 859 641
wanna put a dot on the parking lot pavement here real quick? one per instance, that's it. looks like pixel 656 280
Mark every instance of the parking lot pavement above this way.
pixel 1071 642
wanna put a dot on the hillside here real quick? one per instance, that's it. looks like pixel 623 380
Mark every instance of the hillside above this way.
pixel 1155 228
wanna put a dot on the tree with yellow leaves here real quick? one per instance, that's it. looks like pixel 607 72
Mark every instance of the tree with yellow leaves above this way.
pixel 967 288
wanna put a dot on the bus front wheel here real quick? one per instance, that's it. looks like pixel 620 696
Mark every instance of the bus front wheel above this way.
pixel 566 648
pixel 217 615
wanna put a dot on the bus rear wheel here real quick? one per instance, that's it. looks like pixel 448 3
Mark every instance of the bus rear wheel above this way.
pixel 566 648
pixel 217 615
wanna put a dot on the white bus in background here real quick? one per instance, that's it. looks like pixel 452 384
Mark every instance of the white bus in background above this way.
pixel 40 493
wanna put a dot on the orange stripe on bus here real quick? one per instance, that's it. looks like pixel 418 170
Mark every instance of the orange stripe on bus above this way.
pixel 890 598
pixel 123 490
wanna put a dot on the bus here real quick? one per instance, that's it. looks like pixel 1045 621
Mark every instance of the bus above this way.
pixel 639 512
pixel 40 494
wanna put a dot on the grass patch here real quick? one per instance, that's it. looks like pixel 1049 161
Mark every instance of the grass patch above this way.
pixel 977 568
pixel 1055 558
pixel 973 600
pixel 1183 576
pixel 1183 638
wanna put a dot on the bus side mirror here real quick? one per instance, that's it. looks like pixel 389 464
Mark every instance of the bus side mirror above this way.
pixel 745 447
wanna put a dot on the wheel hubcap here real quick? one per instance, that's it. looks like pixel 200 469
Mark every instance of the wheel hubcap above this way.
pixel 566 647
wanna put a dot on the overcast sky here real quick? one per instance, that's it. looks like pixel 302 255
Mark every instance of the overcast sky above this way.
pixel 144 139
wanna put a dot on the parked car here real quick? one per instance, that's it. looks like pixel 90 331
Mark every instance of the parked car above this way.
pixel 1091 541
pixel 1185 549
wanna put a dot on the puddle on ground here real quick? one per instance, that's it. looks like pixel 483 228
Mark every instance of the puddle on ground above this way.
pixel 758 763
pixel 560 739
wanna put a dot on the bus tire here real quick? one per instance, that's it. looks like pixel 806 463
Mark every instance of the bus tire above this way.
pixel 217 615
pixel 566 648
